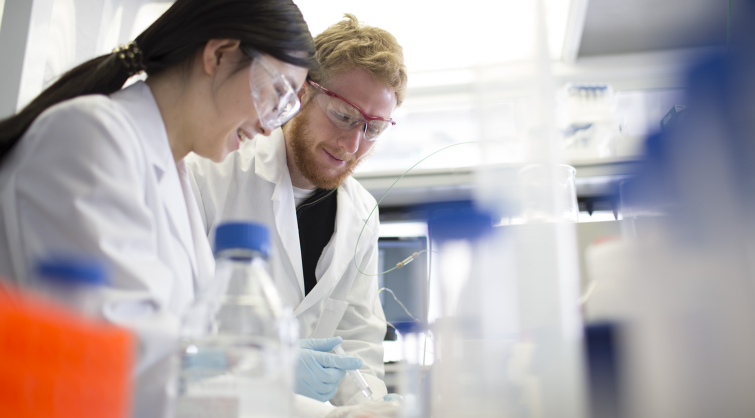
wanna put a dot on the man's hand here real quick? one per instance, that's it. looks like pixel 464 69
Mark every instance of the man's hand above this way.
pixel 318 371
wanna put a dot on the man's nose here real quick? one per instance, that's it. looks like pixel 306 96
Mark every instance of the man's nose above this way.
pixel 350 139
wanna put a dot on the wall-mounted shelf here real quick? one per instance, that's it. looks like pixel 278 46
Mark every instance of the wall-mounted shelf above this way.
pixel 595 179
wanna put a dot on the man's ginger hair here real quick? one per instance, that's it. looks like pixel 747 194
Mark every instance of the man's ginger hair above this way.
pixel 350 44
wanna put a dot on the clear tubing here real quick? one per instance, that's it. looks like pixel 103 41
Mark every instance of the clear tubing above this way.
pixel 357 377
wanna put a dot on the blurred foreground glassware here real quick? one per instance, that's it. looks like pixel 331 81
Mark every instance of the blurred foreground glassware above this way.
pixel 57 363
pixel 587 124
pixel 549 193
pixel 237 349
pixel 411 373
pixel 72 281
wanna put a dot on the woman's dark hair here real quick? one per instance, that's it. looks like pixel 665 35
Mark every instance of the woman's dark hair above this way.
pixel 275 27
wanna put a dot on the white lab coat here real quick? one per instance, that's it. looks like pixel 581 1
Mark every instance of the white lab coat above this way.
pixel 254 183
pixel 96 175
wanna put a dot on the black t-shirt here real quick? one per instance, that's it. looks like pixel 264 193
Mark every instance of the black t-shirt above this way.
pixel 317 221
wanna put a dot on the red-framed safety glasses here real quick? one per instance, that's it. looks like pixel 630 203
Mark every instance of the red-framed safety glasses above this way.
pixel 346 115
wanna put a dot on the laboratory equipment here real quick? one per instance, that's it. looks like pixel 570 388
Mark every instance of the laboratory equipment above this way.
pixel 603 365
pixel 237 348
pixel 274 98
pixel 673 117
pixel 410 370
pixel 685 275
pixel 347 115
pixel 357 377
pixel 72 281
pixel 547 193
pixel 475 332
pixel 510 335
pixel 57 363
pixel 408 284
pixel 586 121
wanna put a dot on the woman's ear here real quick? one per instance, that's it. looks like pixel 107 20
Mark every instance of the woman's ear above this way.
pixel 219 52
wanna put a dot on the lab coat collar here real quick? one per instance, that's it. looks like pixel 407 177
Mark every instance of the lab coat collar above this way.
pixel 270 156
pixel 140 104
pixel 270 164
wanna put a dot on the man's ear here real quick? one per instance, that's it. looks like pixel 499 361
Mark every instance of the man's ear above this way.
pixel 218 52
pixel 303 92
pixel 306 93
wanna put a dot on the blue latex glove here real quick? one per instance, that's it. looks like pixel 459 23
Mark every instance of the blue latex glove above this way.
pixel 318 371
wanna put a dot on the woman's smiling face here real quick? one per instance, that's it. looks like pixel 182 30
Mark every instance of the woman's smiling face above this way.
pixel 229 115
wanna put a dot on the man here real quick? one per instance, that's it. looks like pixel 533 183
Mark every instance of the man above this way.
pixel 298 182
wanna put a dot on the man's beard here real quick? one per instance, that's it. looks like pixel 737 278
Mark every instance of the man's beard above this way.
pixel 303 148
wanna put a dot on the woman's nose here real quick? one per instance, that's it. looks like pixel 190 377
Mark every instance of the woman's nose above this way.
pixel 264 131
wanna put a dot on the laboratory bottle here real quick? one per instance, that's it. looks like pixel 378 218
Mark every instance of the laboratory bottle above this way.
pixel 237 349
pixel 72 281
pixel 411 371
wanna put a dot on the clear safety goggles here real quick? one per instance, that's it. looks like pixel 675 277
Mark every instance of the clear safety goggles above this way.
pixel 346 115
pixel 274 98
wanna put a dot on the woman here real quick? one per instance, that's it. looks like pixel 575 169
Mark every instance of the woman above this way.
pixel 88 167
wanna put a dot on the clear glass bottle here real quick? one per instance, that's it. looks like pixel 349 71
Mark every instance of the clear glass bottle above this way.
pixel 238 341
pixel 411 373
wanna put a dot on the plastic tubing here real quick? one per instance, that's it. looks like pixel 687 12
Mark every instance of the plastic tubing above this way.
pixel 357 377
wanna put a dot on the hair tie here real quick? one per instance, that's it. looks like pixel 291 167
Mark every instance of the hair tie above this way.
pixel 131 58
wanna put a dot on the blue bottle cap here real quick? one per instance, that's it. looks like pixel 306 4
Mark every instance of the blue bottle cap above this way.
pixel 70 269
pixel 408 327
pixel 243 235
pixel 457 220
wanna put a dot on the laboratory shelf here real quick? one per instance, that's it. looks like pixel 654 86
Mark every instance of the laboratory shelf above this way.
pixel 598 178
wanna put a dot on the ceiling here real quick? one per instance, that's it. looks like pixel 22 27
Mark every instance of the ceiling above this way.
pixel 630 26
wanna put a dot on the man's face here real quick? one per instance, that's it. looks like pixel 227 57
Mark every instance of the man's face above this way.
pixel 324 154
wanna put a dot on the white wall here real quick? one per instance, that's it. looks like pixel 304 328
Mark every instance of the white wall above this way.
pixel 42 39
pixel 2 6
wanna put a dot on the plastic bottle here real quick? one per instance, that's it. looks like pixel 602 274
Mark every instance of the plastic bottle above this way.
pixel 71 281
pixel 237 349
pixel 411 370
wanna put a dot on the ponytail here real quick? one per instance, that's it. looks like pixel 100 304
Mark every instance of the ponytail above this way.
pixel 275 27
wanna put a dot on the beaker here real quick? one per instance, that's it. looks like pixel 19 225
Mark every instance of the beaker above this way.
pixel 548 193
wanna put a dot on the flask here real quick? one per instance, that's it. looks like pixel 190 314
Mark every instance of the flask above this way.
pixel 237 348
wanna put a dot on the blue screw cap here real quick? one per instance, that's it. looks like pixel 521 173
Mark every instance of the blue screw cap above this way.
pixel 408 327
pixel 72 269
pixel 243 235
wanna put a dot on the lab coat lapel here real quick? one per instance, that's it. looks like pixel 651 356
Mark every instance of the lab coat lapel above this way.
pixel 270 164
pixel 174 202
pixel 203 260
pixel 348 224
pixel 139 102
